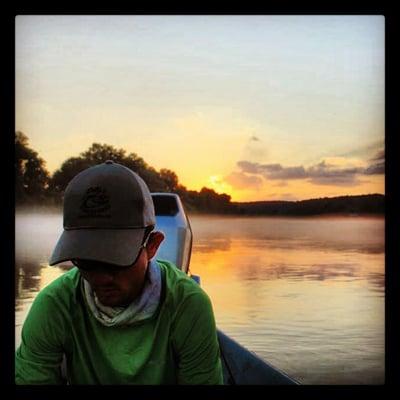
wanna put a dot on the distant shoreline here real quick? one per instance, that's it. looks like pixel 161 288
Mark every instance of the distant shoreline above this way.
pixel 361 205
pixel 372 205
pixel 47 211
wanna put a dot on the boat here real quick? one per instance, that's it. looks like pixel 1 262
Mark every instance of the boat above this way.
pixel 240 365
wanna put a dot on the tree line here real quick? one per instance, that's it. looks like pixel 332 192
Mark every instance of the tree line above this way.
pixel 34 185
pixel 353 205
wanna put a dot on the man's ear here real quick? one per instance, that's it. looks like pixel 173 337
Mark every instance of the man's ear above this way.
pixel 154 243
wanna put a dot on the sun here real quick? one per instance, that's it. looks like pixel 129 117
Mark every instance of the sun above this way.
pixel 216 183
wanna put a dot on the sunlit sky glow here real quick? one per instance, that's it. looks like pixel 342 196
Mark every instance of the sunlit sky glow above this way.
pixel 259 107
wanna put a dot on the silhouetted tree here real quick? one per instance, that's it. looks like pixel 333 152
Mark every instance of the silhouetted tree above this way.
pixel 170 179
pixel 99 153
pixel 31 176
pixel 210 201
pixel 60 179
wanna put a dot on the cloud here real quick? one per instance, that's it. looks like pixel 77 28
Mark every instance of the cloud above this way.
pixel 375 169
pixel 334 171
pixel 254 149
pixel 379 156
pixel 328 174
pixel 377 164
pixel 240 180
pixel 273 171
pixel 280 184
pixel 342 180
pixel 249 167
pixel 364 150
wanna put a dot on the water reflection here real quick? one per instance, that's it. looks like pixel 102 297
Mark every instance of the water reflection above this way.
pixel 27 281
pixel 261 261
pixel 307 295
pixel 284 244
pixel 211 245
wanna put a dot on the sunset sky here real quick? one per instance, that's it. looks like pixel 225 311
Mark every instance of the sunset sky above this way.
pixel 259 107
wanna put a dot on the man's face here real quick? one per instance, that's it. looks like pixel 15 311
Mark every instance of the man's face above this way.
pixel 120 287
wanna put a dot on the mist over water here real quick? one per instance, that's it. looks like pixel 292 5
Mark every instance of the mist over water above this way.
pixel 305 294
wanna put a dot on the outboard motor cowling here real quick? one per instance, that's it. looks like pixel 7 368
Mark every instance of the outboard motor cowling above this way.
pixel 171 219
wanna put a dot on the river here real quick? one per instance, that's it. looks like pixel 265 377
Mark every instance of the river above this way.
pixel 305 294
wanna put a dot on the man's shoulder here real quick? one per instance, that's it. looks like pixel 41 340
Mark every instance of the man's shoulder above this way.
pixel 64 286
pixel 179 285
pixel 57 299
pixel 174 276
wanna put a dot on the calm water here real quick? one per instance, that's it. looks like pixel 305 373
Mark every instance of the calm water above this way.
pixel 305 294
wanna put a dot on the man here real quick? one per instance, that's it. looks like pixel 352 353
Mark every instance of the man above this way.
pixel 119 317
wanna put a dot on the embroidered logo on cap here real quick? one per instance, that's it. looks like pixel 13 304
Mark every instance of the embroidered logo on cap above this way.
pixel 95 203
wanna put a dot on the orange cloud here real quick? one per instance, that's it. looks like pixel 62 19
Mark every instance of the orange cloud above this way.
pixel 240 180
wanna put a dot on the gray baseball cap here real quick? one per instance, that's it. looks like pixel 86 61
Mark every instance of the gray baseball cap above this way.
pixel 106 211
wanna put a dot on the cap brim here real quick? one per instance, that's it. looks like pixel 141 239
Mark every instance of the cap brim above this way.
pixel 113 246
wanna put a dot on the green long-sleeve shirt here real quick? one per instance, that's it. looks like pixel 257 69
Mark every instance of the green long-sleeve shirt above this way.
pixel 178 345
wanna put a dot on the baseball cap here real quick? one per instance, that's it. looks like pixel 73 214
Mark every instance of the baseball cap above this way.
pixel 107 208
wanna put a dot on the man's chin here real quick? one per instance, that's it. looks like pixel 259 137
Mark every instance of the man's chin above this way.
pixel 109 303
pixel 111 299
